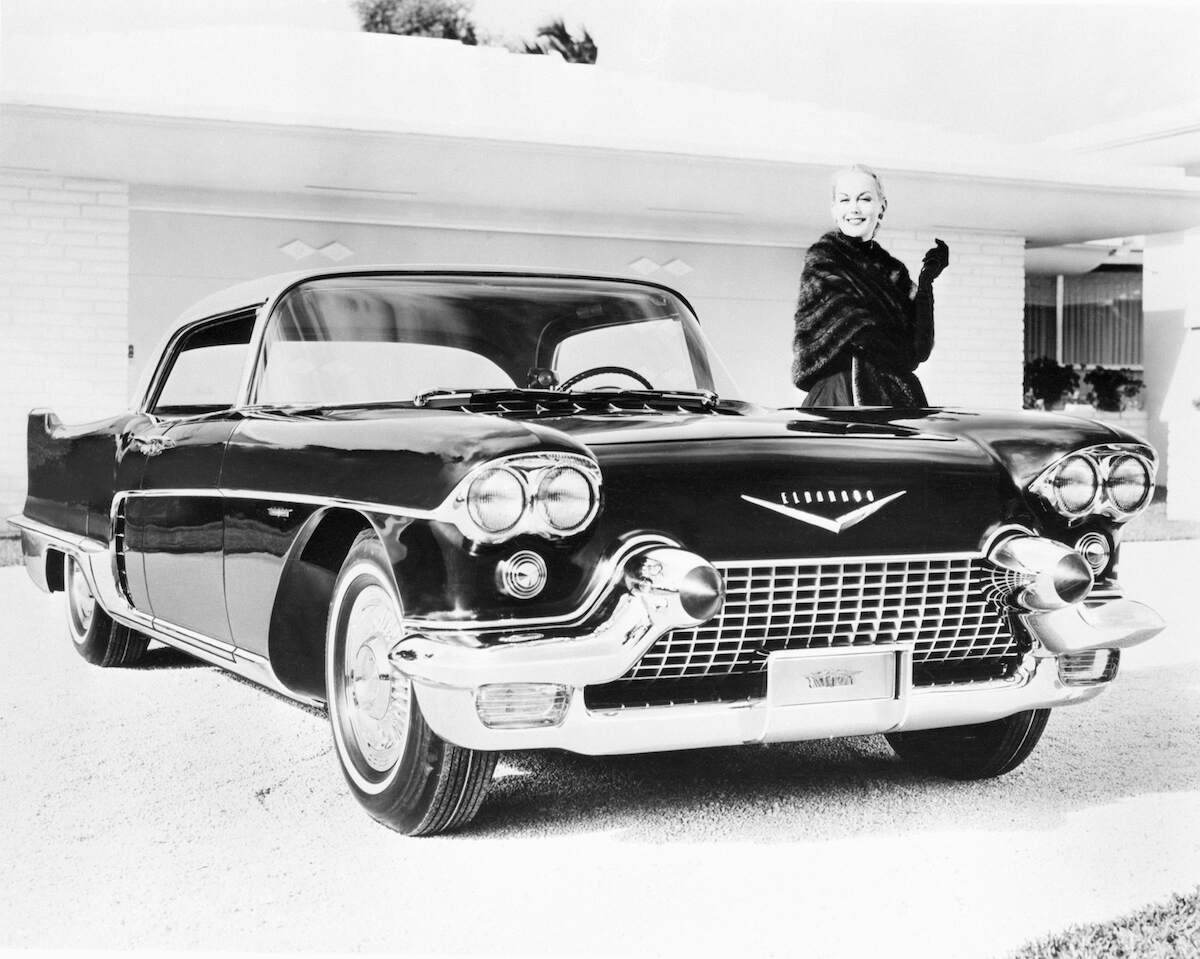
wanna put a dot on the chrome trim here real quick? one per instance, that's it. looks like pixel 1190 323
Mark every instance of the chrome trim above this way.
pixel 647 609
pixel 151 378
pixel 1043 573
pixel 833 524
pixel 1002 533
pixel 1117 624
pixel 451 510
pixel 451 713
pixel 607 573
pixel 1093 537
pixel 1069 669
pixel 530 469
pixel 1100 457
pixel 95 558
pixel 785 605
pixel 602 578
pixel 278 497
pixel 508 577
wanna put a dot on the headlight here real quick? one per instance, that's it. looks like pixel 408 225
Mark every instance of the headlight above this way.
pixel 1111 479
pixel 564 498
pixel 1075 484
pixel 1128 483
pixel 496 500
pixel 551 494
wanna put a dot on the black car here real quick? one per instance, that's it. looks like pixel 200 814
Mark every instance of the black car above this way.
pixel 476 511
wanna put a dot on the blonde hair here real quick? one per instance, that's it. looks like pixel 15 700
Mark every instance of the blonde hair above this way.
pixel 856 168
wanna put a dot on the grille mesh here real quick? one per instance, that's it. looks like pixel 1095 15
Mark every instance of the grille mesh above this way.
pixel 948 607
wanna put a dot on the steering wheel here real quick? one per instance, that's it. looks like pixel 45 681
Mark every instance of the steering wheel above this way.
pixel 597 370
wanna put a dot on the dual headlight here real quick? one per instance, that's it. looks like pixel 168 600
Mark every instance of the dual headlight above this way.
pixel 1114 480
pixel 546 494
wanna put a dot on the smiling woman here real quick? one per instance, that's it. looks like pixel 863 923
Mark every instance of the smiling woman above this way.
pixel 862 327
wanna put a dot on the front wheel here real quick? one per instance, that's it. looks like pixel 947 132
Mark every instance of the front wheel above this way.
pixel 95 636
pixel 980 751
pixel 399 769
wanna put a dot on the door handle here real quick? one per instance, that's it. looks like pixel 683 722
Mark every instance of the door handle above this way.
pixel 151 445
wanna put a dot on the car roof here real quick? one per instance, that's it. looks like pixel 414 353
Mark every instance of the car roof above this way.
pixel 253 293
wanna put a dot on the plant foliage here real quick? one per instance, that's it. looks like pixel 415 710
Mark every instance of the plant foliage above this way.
pixel 1113 390
pixel 1047 381
pixel 441 19
pixel 554 37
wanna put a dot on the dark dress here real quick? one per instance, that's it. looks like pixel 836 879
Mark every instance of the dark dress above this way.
pixel 860 331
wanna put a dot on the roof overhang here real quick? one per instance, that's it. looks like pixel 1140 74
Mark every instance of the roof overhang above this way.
pixel 575 155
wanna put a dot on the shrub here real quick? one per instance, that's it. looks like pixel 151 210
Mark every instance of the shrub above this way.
pixel 1047 381
pixel 1113 390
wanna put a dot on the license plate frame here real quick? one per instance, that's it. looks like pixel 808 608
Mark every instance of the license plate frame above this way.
pixel 850 675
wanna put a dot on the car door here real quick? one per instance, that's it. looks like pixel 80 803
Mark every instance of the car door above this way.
pixel 173 523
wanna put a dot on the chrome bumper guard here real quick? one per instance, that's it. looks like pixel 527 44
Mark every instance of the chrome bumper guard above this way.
pixel 1118 624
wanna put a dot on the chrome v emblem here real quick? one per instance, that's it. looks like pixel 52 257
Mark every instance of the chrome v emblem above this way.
pixel 835 525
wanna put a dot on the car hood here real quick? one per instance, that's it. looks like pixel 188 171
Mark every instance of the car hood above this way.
pixel 792 483
pixel 732 481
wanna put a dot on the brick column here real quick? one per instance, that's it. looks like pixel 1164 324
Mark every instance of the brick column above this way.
pixel 64 292
pixel 979 311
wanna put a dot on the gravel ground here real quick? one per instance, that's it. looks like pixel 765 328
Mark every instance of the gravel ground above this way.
pixel 173 806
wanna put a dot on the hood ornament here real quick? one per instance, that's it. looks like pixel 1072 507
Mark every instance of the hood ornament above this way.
pixel 834 524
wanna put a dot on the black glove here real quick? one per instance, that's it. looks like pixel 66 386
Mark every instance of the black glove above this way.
pixel 937 258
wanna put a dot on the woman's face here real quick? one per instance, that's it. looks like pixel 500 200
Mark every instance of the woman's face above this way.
pixel 857 205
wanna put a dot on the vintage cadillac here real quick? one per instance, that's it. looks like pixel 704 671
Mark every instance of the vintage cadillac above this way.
pixel 475 511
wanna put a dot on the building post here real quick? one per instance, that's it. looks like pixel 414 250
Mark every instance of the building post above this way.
pixel 1171 307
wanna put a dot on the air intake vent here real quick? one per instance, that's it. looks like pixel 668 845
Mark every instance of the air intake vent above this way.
pixel 118 540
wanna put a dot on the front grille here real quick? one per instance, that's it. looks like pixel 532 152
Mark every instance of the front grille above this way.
pixel 949 607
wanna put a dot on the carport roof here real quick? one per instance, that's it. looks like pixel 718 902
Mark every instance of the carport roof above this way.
pixel 428 130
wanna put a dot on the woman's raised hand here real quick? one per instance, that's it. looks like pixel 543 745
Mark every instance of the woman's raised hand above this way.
pixel 937 258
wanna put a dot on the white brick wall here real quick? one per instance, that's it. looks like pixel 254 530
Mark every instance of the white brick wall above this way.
pixel 979 310
pixel 64 293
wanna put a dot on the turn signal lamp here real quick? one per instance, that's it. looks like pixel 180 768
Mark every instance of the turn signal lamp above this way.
pixel 522 575
pixel 522 705
pixel 1088 668
pixel 1095 550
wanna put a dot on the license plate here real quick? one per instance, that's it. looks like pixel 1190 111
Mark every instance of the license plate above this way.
pixel 844 676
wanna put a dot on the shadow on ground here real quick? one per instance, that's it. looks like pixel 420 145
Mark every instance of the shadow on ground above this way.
pixel 1140 738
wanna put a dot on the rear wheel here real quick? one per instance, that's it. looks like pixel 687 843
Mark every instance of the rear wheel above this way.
pixel 973 752
pixel 96 637
pixel 399 769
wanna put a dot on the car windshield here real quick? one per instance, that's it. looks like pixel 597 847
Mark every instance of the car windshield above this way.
pixel 382 339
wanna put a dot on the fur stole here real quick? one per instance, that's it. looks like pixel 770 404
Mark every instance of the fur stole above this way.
pixel 856 302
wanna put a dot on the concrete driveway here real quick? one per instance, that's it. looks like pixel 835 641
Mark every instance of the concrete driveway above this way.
pixel 173 806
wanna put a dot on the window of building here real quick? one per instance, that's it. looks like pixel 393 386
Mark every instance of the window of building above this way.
pixel 1100 313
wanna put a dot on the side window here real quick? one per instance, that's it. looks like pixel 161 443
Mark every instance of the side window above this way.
pixel 203 372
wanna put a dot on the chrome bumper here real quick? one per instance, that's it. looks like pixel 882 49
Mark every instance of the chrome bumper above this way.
pixel 448 667
pixel 451 713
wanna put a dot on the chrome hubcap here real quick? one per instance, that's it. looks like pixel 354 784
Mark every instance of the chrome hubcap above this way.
pixel 377 697
pixel 82 602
